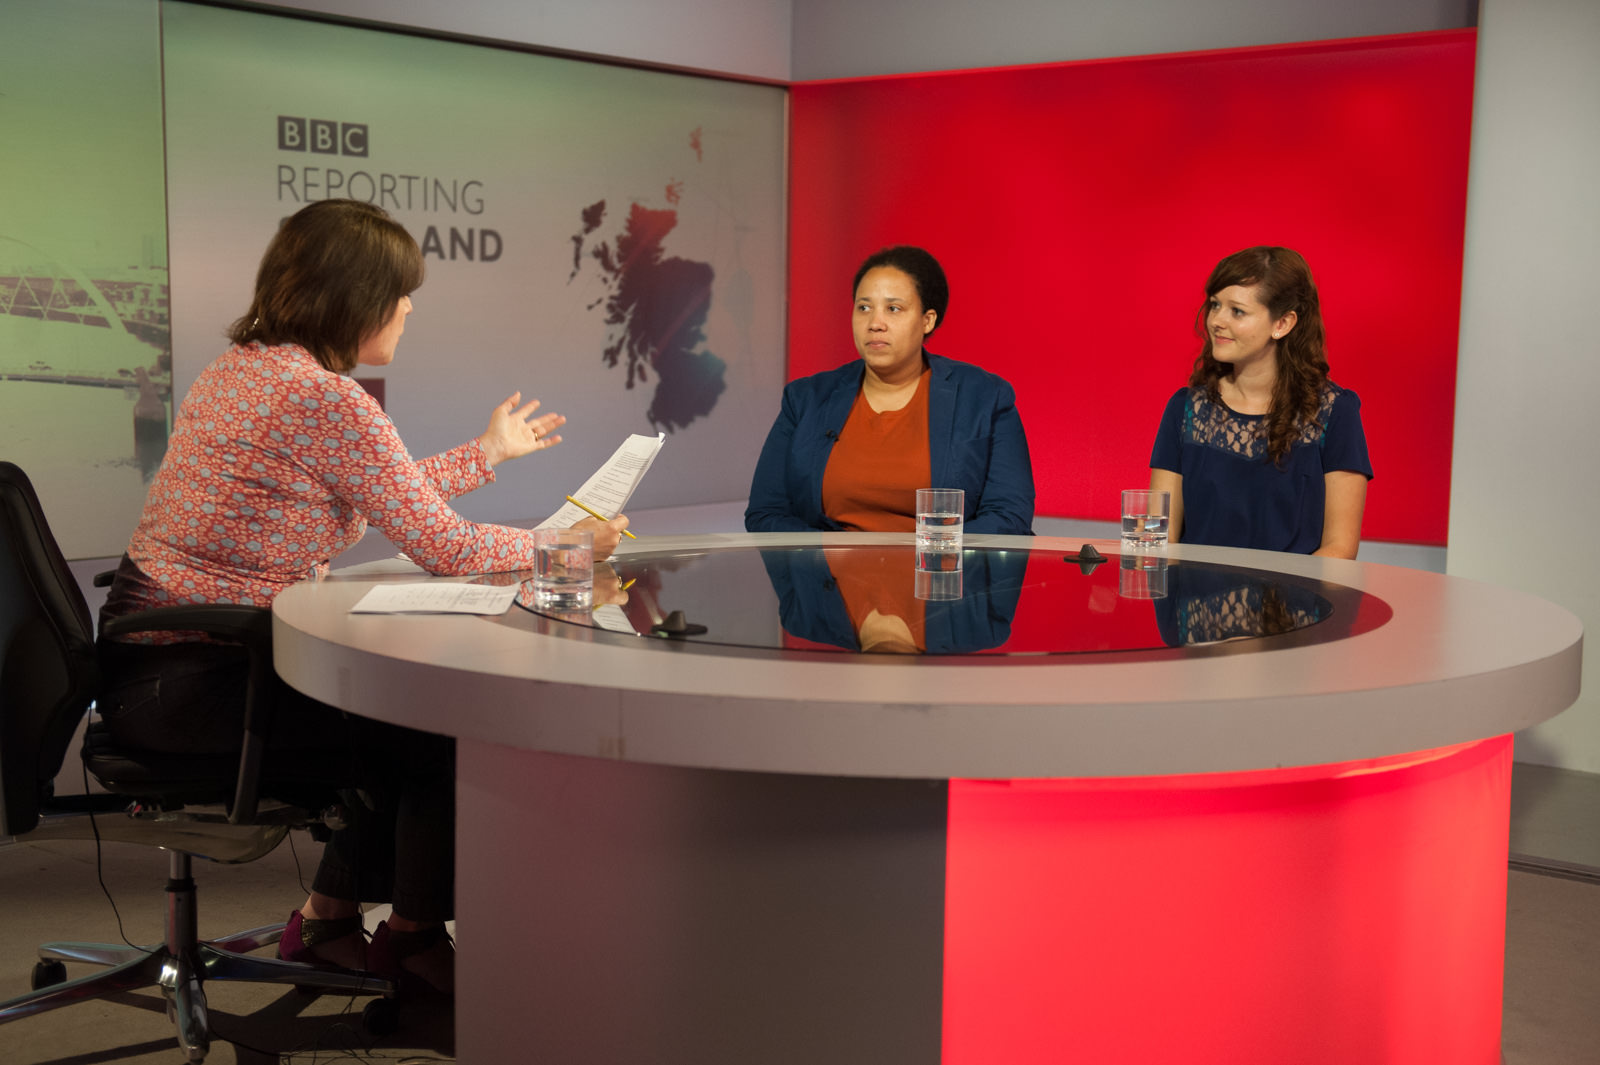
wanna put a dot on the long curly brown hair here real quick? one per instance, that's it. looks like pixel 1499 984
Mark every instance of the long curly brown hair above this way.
pixel 1283 283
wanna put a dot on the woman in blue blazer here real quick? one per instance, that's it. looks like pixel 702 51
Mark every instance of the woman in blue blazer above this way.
pixel 974 436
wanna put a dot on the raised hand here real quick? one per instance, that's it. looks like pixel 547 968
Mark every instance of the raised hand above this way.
pixel 514 431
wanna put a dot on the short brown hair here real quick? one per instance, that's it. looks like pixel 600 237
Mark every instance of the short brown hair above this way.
pixel 331 277
pixel 926 275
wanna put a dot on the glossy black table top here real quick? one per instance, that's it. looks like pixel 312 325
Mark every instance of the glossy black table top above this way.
pixel 984 600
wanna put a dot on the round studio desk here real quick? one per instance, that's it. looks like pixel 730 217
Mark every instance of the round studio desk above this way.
pixel 1230 847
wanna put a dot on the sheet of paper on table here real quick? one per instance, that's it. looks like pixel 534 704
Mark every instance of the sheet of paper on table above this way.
pixel 612 618
pixel 437 597
pixel 613 483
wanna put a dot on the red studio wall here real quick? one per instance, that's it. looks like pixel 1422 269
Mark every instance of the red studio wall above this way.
pixel 1077 209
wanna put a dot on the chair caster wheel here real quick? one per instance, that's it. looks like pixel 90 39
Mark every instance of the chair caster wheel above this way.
pixel 381 1016
pixel 48 974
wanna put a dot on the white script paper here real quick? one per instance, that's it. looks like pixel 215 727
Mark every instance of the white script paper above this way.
pixel 612 618
pixel 437 597
pixel 612 485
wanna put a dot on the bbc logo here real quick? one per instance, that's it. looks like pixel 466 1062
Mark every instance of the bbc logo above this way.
pixel 321 136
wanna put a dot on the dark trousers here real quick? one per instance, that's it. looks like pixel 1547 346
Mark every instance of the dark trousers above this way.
pixel 399 846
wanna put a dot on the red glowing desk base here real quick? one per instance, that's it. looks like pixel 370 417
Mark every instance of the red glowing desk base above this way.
pixel 1347 913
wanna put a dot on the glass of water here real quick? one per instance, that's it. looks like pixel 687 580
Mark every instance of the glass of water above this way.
pixel 563 573
pixel 939 517
pixel 1144 517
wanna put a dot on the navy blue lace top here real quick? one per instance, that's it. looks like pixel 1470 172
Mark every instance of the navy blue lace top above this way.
pixel 1233 494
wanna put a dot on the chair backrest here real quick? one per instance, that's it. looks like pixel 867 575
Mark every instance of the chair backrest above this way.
pixel 48 672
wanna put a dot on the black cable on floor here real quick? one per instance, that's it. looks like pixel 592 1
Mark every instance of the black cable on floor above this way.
pixel 1523 863
pixel 99 867
pixel 299 873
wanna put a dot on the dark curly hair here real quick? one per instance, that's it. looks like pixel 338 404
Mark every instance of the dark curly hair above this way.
pixel 923 270
pixel 1283 283
pixel 331 277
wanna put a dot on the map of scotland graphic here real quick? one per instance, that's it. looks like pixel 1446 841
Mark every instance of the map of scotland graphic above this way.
pixel 655 312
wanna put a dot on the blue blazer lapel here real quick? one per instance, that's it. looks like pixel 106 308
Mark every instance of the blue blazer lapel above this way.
pixel 941 422
pixel 831 416
pixel 836 409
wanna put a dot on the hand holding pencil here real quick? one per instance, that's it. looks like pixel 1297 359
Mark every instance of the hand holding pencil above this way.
pixel 607 531
pixel 587 509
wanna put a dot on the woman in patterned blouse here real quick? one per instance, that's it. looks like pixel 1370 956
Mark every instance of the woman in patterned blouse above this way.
pixel 1261 449
pixel 278 462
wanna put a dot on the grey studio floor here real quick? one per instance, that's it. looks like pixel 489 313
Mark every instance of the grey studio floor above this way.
pixel 49 891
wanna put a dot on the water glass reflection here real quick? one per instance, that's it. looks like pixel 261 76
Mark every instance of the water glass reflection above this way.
pixel 1142 576
pixel 937 576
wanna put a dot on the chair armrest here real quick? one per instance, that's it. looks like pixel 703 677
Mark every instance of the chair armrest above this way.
pixel 243 624
pixel 250 626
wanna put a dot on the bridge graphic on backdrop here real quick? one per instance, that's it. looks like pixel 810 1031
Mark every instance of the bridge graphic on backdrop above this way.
pixel 59 326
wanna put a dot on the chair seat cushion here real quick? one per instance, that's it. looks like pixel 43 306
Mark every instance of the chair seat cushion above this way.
pixel 307 778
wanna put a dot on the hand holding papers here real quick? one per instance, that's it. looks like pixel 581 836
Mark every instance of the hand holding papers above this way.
pixel 609 490
pixel 436 597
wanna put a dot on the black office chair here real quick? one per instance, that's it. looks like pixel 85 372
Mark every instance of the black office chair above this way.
pixel 229 809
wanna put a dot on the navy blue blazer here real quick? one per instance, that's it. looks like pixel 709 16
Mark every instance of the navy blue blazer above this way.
pixel 975 443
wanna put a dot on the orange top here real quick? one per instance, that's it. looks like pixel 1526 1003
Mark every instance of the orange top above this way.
pixel 877 465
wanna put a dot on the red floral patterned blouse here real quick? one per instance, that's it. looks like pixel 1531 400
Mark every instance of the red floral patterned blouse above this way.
pixel 276 465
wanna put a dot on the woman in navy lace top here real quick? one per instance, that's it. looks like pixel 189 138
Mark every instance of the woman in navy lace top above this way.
pixel 1261 449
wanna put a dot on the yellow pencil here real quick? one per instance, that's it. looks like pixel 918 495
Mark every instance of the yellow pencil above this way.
pixel 587 508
